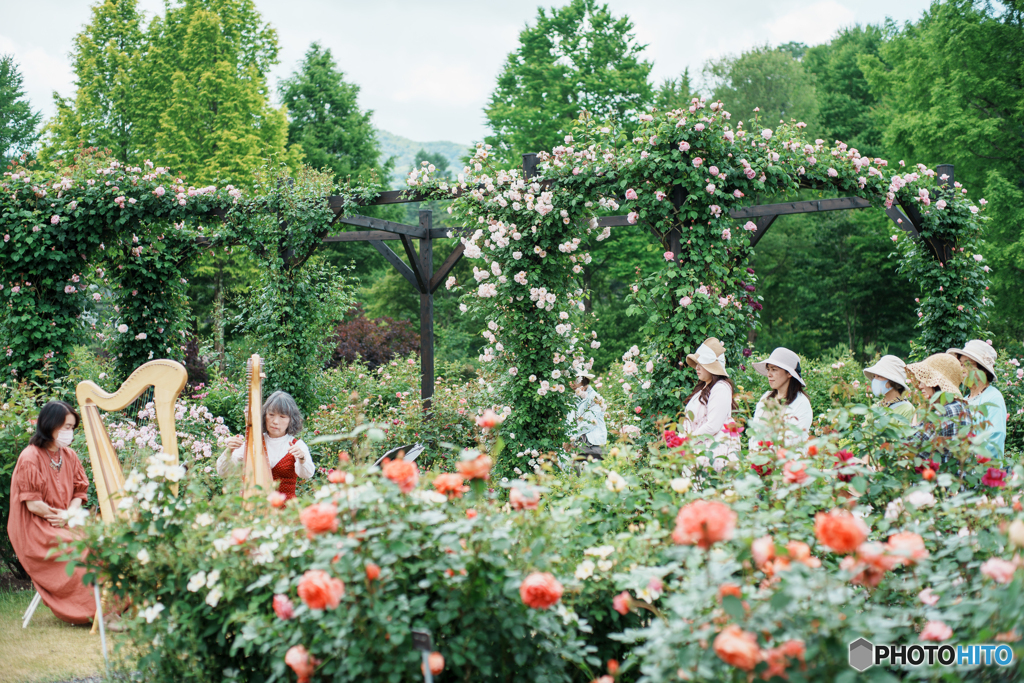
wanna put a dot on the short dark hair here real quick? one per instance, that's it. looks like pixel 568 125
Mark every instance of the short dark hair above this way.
pixel 51 417
pixel 585 381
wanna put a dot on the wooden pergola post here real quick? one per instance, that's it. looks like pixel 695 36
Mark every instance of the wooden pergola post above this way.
pixel 426 260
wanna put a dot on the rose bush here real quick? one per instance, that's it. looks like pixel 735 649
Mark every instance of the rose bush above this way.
pixel 649 558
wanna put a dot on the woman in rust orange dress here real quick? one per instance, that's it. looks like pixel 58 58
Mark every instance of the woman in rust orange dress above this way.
pixel 47 488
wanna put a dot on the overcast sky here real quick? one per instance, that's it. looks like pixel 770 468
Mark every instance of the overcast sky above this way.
pixel 426 69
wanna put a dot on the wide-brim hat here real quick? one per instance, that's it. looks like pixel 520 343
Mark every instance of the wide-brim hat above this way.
pixel 785 359
pixel 583 372
pixel 711 356
pixel 941 370
pixel 980 352
pixel 891 368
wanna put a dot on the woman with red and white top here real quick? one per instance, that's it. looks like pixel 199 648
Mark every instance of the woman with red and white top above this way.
pixel 288 455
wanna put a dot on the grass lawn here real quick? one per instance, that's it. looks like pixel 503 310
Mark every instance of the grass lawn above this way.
pixel 49 649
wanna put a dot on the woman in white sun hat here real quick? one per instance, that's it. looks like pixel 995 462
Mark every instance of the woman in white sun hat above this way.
pixel 709 406
pixel 889 382
pixel 711 401
pixel 978 359
pixel 782 369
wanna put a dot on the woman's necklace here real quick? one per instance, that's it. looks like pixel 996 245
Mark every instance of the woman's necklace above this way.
pixel 60 461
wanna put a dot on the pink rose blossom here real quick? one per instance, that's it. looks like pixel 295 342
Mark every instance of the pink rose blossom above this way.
pixel 979 258
pixel 928 597
pixel 998 570
pixel 713 170
pixel 684 146
pixel 697 162
pixel 726 234
pixel 937 631
pixel 750 226
pixel 659 195
pixel 894 238
pixel 669 256
pixel 833 173
pixel 685 301
pixel 766 133
pixel 710 188
pixel 632 217
pixel 54 220
pixel 630 194
pixel 737 194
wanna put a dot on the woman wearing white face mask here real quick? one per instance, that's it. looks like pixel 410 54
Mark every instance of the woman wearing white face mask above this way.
pixel 48 488
pixel 889 382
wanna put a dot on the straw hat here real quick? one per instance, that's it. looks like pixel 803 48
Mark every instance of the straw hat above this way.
pixel 980 352
pixel 711 356
pixel 891 368
pixel 941 370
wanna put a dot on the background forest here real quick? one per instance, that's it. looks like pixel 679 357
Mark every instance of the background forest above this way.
pixel 944 89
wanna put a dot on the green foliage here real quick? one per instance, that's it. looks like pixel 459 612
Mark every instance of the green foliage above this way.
pixel 56 264
pixel 325 119
pixel 575 58
pixel 299 299
pixel 846 103
pixel 18 122
pixel 674 93
pixel 106 110
pixel 771 80
pixel 831 280
pixel 946 89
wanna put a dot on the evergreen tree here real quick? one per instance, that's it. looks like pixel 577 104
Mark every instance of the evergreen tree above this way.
pixel 577 57
pixel 846 104
pixel 208 114
pixel 325 119
pixel 772 80
pixel 18 123
pixel 675 93
pixel 109 88
pixel 439 161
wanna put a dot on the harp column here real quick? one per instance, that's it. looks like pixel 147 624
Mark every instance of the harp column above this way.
pixel 426 259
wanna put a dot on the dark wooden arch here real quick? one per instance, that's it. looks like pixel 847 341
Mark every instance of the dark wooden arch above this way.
pixel 420 275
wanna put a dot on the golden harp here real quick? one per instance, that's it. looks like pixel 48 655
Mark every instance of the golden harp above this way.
pixel 256 473
pixel 167 378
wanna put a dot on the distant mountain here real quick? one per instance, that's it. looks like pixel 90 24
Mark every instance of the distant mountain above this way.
pixel 404 150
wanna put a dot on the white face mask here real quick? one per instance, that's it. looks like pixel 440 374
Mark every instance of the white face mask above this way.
pixel 64 437
pixel 878 387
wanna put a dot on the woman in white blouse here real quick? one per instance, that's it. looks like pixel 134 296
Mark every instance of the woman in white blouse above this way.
pixel 288 455
pixel 786 387
pixel 709 407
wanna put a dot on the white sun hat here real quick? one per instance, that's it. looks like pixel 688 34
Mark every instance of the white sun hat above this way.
pixel 785 359
pixel 891 368
pixel 583 372
pixel 980 352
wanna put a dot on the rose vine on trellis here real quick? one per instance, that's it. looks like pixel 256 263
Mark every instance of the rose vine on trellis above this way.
pixel 680 170
pixel 77 235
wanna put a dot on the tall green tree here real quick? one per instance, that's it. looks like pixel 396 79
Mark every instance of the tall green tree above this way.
pixel 950 91
pixel 325 118
pixel 109 87
pixel 209 114
pixel 575 57
pixel 846 104
pixel 18 123
pixel 772 80
pixel 675 93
